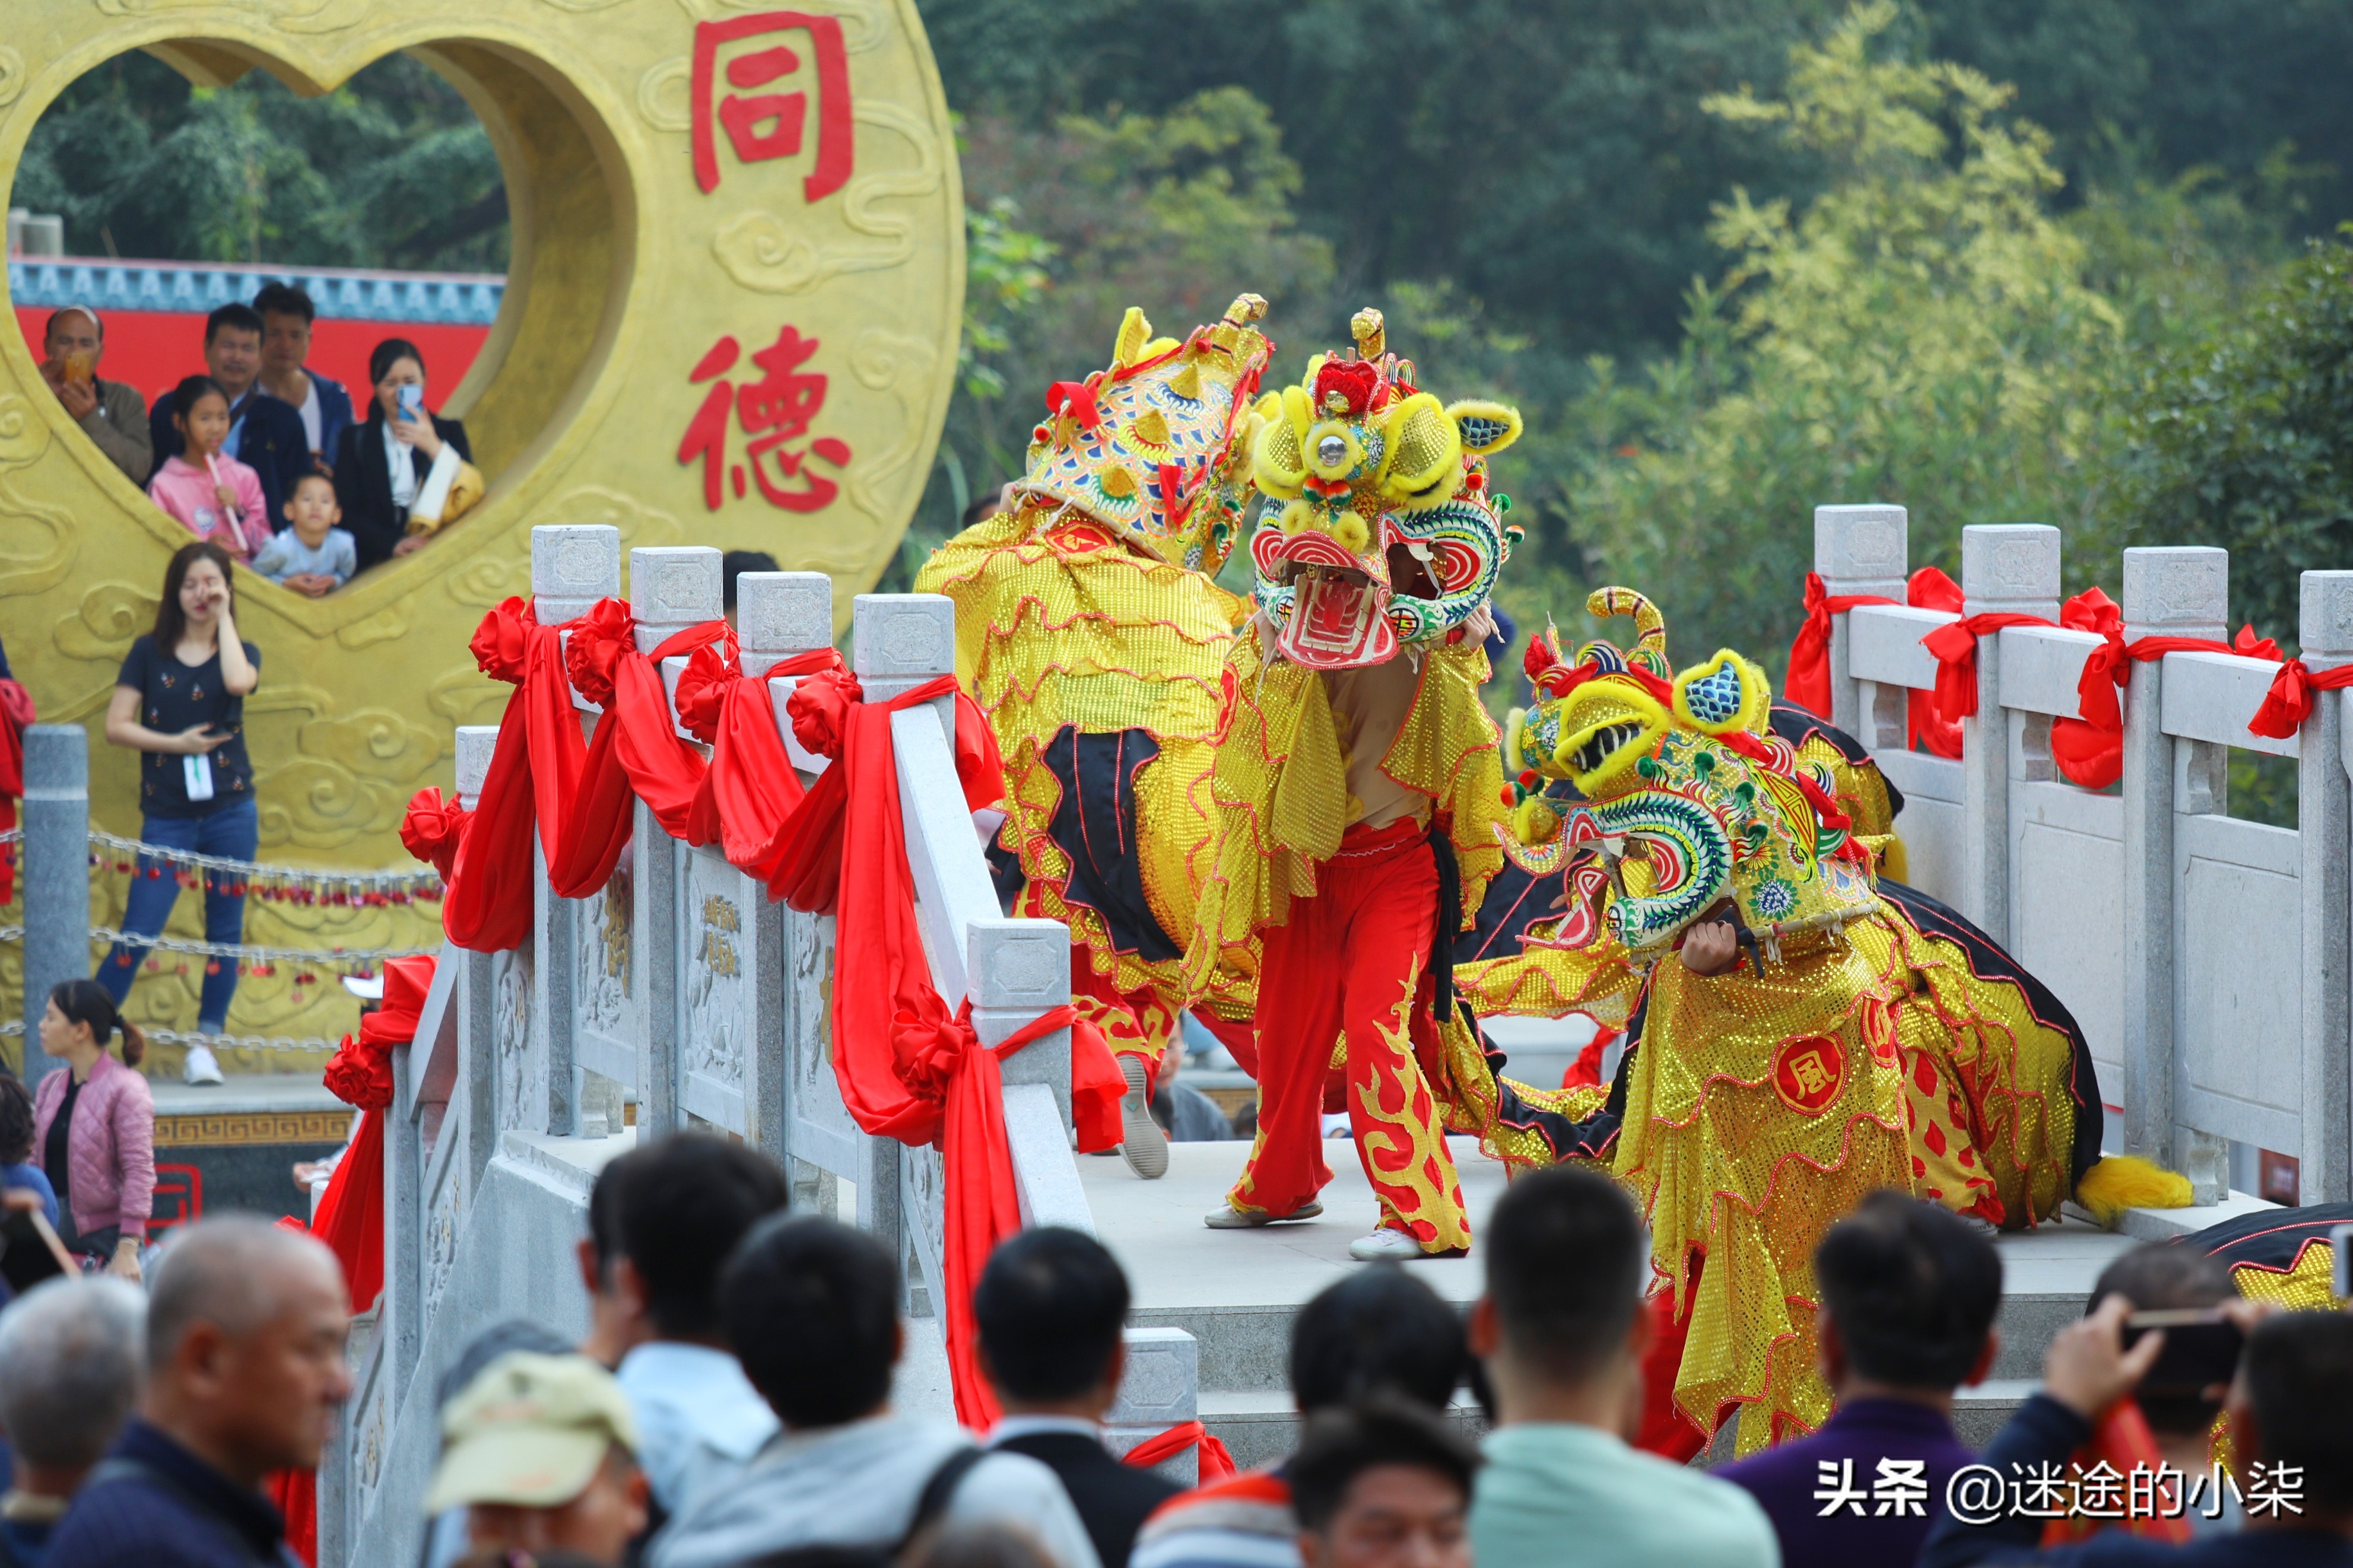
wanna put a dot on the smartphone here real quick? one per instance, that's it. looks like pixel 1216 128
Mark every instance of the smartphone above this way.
pixel 412 401
pixel 2201 1348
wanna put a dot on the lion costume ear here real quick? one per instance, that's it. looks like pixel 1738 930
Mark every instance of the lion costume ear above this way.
pixel 1486 427
pixel 1725 694
pixel 1422 459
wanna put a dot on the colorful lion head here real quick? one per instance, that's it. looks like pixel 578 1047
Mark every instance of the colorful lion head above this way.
pixel 1157 447
pixel 1689 796
pixel 1385 532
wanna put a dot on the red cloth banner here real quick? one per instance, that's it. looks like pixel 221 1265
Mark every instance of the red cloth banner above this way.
pixel 908 1068
pixel 2289 701
pixel 1216 1461
pixel 532 776
pixel 1807 683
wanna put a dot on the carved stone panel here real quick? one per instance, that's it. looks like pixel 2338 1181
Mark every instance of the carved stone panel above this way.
pixel 612 1032
pixel 820 1133
pixel 715 981
pixel 522 1070
pixel 922 1186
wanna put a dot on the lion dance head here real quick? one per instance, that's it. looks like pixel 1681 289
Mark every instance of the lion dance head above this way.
pixel 1381 530
pixel 1688 797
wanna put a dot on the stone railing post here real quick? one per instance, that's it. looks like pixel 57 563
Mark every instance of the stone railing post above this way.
pixel 2324 820
pixel 778 615
pixel 1021 968
pixel 1160 1389
pixel 404 1227
pixel 55 864
pixel 1857 550
pixel 478 1052
pixel 2179 592
pixel 669 590
pixel 573 565
pixel 2006 568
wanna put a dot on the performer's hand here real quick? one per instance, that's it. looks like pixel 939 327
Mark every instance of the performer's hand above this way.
pixel 1710 948
pixel 2087 1368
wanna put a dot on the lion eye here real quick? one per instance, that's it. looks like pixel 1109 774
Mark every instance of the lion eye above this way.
pixel 1331 450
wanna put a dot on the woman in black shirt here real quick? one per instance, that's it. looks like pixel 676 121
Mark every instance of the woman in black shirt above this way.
pixel 180 698
pixel 383 464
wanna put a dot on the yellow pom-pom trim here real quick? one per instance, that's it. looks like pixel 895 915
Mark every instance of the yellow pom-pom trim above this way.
pixel 2121 1182
pixel 1296 515
pixel 1350 533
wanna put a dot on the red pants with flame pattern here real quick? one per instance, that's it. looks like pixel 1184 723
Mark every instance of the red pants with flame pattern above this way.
pixel 1343 1006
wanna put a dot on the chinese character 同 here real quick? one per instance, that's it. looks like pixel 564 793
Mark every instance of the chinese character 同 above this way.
pixel 764 125
pixel 1835 1488
pixel 777 409
pixel 1901 1489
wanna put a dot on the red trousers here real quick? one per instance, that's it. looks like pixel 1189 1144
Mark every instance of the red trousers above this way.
pixel 1344 990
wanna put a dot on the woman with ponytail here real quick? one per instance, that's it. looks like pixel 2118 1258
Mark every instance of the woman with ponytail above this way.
pixel 94 1127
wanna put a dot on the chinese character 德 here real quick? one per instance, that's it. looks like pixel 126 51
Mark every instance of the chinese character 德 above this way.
pixel 764 125
pixel 775 410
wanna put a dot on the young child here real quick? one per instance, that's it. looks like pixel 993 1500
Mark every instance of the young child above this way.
pixel 215 495
pixel 314 556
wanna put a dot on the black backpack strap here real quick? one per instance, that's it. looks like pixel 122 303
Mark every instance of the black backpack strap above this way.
pixel 939 1491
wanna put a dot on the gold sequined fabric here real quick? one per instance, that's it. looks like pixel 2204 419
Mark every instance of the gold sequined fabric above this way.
pixel 1059 624
pixel 2308 1286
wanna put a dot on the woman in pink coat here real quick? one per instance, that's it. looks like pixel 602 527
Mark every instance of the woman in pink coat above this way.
pixel 215 495
pixel 94 1127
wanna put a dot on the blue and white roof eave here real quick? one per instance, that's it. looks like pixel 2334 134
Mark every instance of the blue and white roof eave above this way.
pixel 443 298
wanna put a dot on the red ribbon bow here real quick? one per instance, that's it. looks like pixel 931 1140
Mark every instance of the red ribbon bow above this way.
pixel 434 827
pixel 1216 1461
pixel 2289 701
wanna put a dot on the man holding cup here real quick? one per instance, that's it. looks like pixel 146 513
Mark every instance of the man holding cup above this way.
pixel 110 413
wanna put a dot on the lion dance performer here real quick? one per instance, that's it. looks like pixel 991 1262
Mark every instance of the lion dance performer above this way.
pixel 1089 630
pixel 1356 786
pixel 1801 1031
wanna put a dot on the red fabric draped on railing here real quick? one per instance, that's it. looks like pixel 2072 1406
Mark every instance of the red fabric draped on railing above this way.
pixel 2289 701
pixel 350 1217
pixel 2089 749
pixel 1809 680
pixel 1215 1461
pixel 908 1067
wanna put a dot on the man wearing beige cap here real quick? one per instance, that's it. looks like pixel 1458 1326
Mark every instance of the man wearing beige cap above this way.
pixel 540 1449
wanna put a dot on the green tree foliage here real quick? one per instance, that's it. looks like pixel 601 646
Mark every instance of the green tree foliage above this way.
pixel 1920 332
pixel 2245 440
pixel 391 169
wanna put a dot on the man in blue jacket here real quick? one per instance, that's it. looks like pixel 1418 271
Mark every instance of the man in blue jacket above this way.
pixel 264 434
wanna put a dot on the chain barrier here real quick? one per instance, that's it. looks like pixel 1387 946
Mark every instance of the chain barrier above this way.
pixel 363 957
pixel 272 884
pixel 16 1027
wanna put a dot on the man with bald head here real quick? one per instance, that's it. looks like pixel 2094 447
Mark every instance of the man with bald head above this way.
pixel 245 1370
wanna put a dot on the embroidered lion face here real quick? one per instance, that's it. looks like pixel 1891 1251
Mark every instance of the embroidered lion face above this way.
pixel 1157 447
pixel 1689 796
pixel 1382 532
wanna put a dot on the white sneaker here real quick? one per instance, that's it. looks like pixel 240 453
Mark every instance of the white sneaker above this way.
pixel 1387 1246
pixel 202 1067
pixel 1141 1143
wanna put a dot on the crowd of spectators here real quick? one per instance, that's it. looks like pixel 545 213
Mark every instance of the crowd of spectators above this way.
pixel 731 1406
pixel 267 458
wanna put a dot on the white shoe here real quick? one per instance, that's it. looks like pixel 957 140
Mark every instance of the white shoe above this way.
pixel 1141 1143
pixel 1225 1216
pixel 201 1067
pixel 1387 1246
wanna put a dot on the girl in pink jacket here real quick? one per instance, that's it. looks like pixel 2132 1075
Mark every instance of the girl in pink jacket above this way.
pixel 94 1127
pixel 215 495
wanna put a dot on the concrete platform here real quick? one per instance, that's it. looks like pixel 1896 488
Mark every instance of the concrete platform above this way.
pixel 233 1145
pixel 1236 1291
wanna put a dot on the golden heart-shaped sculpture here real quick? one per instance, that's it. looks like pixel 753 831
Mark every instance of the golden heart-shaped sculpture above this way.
pixel 730 319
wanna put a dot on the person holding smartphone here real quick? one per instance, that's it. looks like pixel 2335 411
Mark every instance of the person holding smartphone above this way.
pixel 406 470
pixel 180 699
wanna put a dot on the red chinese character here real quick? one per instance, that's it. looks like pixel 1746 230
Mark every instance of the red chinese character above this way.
pixel 778 408
pixel 764 125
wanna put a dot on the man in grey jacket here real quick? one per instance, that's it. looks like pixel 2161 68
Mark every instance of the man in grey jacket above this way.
pixel 108 413
pixel 810 1307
